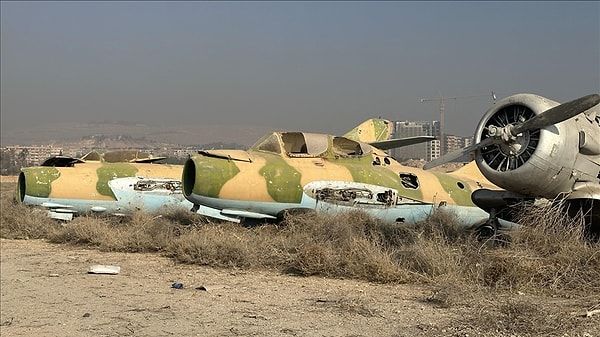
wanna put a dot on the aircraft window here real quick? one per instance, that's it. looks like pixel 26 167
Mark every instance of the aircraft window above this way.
pixel 294 142
pixel 386 160
pixel 377 161
pixel 345 146
pixel 298 144
pixel 316 143
pixel 460 185
pixel 409 180
pixel 268 143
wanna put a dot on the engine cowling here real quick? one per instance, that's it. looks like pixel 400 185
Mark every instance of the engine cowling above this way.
pixel 538 162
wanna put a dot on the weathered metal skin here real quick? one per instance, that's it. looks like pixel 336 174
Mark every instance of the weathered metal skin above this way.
pixel 87 180
pixel 271 177
pixel 564 156
pixel 90 184
pixel 534 147
pixel 375 129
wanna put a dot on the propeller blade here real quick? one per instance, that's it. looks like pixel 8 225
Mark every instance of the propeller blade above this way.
pixel 448 157
pixel 558 114
pixel 551 116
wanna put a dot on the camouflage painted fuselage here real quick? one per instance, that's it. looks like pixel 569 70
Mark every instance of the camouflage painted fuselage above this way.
pixel 274 174
pixel 68 186
pixel 87 181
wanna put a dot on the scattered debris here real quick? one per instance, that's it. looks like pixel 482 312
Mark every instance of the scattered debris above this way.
pixel 8 322
pixel 104 269
pixel 87 314
pixel 212 287
pixel 177 285
pixel 254 316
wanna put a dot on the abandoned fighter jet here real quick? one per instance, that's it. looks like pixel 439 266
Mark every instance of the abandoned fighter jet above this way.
pixel 118 183
pixel 299 171
pixel 534 147
pixel 121 182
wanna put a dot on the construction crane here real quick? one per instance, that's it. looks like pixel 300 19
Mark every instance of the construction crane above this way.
pixel 441 99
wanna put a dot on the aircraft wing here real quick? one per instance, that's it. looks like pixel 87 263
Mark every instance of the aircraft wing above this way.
pixel 59 211
pixel 400 142
pixel 147 160
pixel 61 161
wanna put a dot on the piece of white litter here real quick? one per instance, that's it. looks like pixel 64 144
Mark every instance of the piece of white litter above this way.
pixel 104 269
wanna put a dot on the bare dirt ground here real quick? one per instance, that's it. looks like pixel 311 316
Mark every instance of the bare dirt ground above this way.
pixel 8 179
pixel 46 291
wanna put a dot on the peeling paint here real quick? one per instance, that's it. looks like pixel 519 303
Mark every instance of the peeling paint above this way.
pixel 40 182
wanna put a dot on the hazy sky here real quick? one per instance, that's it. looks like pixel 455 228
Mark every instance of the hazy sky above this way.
pixel 312 66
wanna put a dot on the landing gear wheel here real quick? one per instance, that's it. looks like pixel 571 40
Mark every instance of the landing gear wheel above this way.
pixel 487 231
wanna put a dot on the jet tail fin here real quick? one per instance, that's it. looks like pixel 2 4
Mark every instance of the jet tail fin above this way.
pixel 378 132
pixel 372 130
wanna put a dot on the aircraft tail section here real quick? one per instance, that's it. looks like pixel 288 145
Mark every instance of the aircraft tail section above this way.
pixel 372 130
pixel 378 133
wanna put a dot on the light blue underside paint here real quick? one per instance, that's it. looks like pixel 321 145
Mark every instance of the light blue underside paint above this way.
pixel 81 206
pixel 468 217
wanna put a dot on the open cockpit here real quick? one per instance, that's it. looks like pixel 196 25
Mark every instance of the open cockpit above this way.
pixel 310 145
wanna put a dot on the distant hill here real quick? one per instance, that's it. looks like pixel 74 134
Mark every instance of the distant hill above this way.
pixel 132 135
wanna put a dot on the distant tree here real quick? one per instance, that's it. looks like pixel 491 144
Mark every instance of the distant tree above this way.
pixel 22 158
pixel 6 162
pixel 11 162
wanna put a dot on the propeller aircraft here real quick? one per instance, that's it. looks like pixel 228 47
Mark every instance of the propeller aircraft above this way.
pixel 289 172
pixel 534 147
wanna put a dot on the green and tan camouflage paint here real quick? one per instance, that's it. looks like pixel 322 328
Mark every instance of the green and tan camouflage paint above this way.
pixel 372 130
pixel 89 180
pixel 40 181
pixel 270 177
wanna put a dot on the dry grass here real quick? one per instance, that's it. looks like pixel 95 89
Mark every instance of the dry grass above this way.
pixel 549 256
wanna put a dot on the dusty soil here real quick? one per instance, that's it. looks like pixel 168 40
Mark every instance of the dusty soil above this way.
pixel 8 179
pixel 46 291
